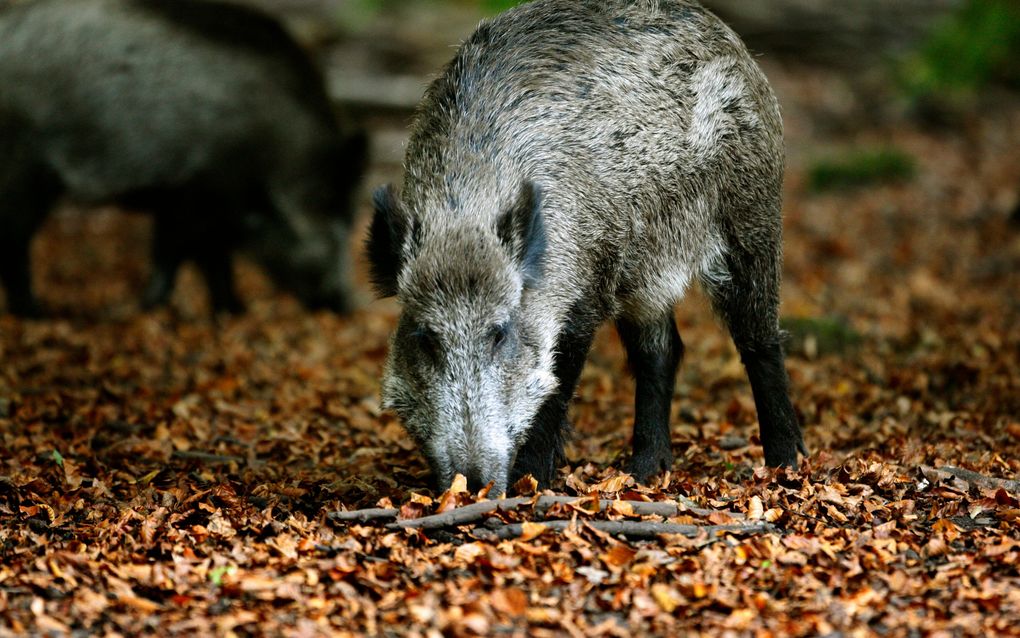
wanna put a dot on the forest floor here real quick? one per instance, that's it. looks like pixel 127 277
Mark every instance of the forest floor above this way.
pixel 167 472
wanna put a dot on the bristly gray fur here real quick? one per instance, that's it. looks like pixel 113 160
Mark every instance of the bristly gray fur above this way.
pixel 656 144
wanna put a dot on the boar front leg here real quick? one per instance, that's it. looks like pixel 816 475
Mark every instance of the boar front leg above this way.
pixel 654 352
pixel 542 452
pixel 16 276
pixel 217 267
pixel 207 245
pixel 168 252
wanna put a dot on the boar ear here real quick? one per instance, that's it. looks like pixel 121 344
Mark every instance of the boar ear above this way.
pixel 384 246
pixel 522 231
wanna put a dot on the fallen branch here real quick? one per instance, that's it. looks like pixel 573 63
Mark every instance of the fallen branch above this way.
pixel 476 511
pixel 973 478
pixel 631 529
pixel 206 457
pixel 363 516
pixel 461 515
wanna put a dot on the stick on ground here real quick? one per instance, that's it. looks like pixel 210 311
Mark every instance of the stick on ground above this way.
pixel 630 529
pixel 476 511
pixel 209 458
pixel 974 478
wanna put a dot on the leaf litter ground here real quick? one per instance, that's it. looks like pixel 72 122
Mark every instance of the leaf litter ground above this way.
pixel 163 472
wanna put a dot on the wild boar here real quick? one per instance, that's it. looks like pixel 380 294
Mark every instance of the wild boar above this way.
pixel 579 161
pixel 206 114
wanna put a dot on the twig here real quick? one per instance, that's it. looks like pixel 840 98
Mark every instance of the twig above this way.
pixel 363 516
pixel 206 457
pixel 15 590
pixel 461 515
pixel 631 529
pixel 974 478
pixel 476 511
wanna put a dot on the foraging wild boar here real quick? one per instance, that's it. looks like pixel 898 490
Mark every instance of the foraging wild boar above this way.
pixel 204 113
pixel 578 161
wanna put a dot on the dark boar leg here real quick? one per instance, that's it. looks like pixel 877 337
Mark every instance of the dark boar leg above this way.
pixel 654 352
pixel 168 252
pixel 781 437
pixel 14 272
pixel 542 453
pixel 217 267
pixel 170 248
pixel 747 298
pixel 26 195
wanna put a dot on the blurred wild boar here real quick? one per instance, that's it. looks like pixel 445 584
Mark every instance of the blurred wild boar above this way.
pixel 579 161
pixel 206 114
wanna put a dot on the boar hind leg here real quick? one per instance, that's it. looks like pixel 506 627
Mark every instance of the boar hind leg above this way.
pixel 746 295
pixel 542 452
pixel 168 253
pixel 654 351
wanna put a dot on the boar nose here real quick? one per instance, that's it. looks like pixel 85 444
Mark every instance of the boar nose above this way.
pixel 475 481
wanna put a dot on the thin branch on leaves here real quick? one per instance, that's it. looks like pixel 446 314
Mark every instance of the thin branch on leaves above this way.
pixel 206 457
pixel 477 511
pixel 630 529
pixel 363 516
pixel 973 478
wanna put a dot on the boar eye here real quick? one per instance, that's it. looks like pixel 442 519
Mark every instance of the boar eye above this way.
pixel 428 342
pixel 498 336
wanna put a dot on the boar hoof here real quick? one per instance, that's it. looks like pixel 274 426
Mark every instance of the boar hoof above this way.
pixel 25 309
pixel 646 465
pixel 785 453
pixel 541 466
pixel 230 306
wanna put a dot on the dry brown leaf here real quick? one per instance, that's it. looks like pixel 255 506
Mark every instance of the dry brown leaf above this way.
pixel 755 509
pixel 285 544
pixel 613 484
pixel 720 518
pixel 618 556
pixel 667 598
pixel 526 486
pixel 422 499
pixel 623 508
pixel 458 486
pixel 510 601
pixel 468 552
pixel 530 531
pixel 947 529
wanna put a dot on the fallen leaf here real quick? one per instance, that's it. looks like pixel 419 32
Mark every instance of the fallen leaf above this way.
pixel 510 601
pixel 667 597
pixel 612 484
pixel 755 510
pixel 530 531
pixel 468 552
pixel 618 556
